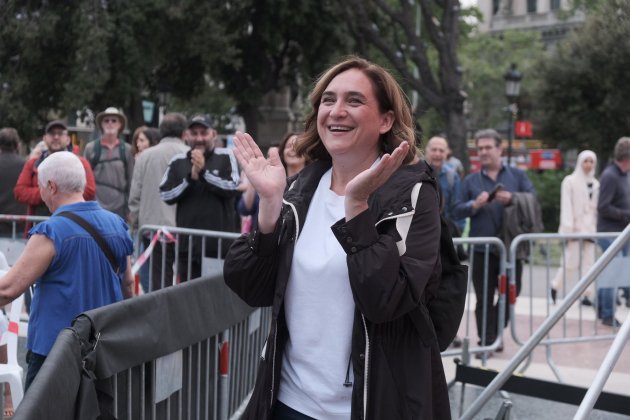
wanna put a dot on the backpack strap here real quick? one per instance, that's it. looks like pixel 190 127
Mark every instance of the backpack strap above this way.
pixel 96 153
pixel 122 150
pixel 94 233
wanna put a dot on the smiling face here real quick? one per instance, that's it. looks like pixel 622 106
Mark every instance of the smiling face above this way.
pixel 290 157
pixel 349 120
pixel 437 150
pixel 201 137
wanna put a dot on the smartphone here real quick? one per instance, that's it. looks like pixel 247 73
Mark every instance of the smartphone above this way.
pixel 493 193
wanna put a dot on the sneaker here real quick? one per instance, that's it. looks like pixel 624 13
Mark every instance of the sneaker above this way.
pixel 611 322
pixel 586 301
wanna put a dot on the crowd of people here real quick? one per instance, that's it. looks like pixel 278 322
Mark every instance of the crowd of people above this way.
pixel 339 238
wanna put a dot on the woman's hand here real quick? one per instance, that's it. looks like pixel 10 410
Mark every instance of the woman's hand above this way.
pixel 364 184
pixel 267 176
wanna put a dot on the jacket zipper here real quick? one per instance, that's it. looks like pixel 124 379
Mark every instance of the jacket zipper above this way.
pixel 365 368
pixel 275 333
pixel 367 337
pixel 297 218
pixel 273 363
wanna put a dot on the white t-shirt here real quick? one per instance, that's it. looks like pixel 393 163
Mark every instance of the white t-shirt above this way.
pixel 319 311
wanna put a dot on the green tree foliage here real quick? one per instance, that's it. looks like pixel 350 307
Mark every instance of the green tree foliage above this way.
pixel 278 43
pixel 585 86
pixel 485 59
pixel 33 52
pixel 421 34
pixel 65 56
pixel 547 184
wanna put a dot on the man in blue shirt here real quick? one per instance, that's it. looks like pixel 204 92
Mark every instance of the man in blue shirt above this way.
pixel 70 271
pixel 486 219
pixel 450 183
pixel 613 215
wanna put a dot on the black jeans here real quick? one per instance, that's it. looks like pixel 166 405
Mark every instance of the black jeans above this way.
pixel 488 299
pixel 284 412
pixel 156 274
pixel 35 362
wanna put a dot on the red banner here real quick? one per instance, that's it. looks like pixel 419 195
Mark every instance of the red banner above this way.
pixel 523 129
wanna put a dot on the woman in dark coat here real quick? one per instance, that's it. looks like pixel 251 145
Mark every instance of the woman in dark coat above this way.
pixel 346 253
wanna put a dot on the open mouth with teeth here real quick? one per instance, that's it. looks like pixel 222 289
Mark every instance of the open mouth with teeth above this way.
pixel 339 128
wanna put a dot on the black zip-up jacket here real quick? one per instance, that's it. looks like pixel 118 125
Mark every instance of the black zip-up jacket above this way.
pixel 208 203
pixel 393 265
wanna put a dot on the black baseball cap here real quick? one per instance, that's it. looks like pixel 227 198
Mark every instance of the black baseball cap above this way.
pixel 200 120
pixel 55 123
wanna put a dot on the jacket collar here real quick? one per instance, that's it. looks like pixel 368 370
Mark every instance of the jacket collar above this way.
pixel 301 187
pixel 387 201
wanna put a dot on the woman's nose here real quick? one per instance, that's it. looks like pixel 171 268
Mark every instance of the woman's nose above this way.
pixel 338 109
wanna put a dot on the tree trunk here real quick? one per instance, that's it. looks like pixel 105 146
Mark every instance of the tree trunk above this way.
pixel 250 116
pixel 456 132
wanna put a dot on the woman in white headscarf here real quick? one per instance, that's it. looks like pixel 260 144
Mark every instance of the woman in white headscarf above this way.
pixel 578 214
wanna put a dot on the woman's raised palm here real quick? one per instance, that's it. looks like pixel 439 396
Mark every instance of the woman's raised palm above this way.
pixel 267 176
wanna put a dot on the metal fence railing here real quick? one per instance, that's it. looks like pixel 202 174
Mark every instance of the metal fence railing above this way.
pixel 121 358
pixel 579 324
pixel 172 255
pixel 184 352
pixel 477 341
pixel 12 242
pixel 553 319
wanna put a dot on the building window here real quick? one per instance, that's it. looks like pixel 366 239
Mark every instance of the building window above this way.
pixel 495 6
pixel 555 5
pixel 531 6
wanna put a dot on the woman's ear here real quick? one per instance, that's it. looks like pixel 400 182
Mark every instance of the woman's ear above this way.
pixel 387 121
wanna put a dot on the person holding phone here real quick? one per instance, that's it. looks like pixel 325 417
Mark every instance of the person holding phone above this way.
pixel 494 192
pixel 483 198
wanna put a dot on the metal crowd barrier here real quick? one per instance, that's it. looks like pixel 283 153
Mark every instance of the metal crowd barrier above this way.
pixel 472 342
pixel 552 319
pixel 12 245
pixel 176 260
pixel 580 324
pixel 183 352
pixel 492 248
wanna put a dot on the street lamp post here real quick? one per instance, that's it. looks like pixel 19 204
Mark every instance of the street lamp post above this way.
pixel 512 88
pixel 164 89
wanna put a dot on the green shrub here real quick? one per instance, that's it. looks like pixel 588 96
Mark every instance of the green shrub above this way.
pixel 547 184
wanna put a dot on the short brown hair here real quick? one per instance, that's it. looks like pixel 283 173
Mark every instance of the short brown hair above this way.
pixel 488 133
pixel 622 149
pixel 9 139
pixel 389 96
